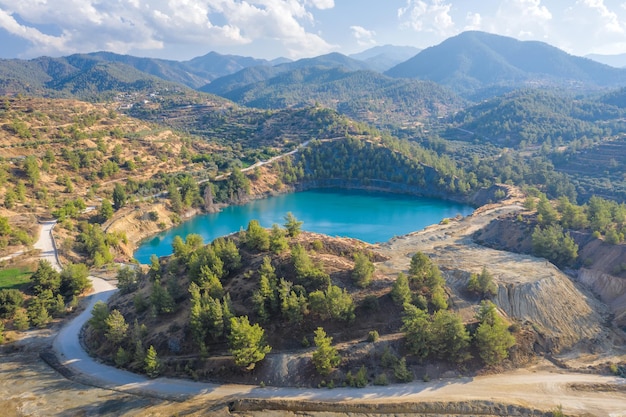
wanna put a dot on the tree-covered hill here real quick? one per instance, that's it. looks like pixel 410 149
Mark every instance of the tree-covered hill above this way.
pixel 362 95
pixel 78 76
pixel 475 61
pixel 529 118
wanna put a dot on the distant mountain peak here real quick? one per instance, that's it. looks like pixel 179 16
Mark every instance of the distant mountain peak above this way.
pixel 473 61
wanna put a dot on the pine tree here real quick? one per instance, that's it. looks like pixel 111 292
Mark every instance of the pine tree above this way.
pixel 325 357
pixel 400 292
pixel 247 342
pixel 152 366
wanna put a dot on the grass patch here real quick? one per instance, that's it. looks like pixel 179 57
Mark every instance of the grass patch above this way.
pixel 14 278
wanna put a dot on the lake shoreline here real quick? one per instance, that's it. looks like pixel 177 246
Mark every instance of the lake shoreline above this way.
pixel 312 186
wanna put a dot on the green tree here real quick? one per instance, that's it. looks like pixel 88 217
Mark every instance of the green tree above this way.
pixel 119 196
pixel 292 225
pixel 161 299
pixel 106 210
pixel 546 213
pixel 116 328
pixel 38 313
pixel 401 292
pixel 45 278
pixel 31 168
pixel 21 320
pixel 278 241
pixel 333 303
pixel 482 284
pixel 417 331
pixel 363 270
pixel 493 339
pixel 126 279
pixel 10 301
pixel 247 342
pixel 450 339
pixel 325 357
pixel 74 280
pixel 151 363
pixel 555 245
pixel 420 267
pixel 257 237
pixel 99 315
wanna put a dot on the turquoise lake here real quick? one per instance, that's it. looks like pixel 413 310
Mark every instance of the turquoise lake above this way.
pixel 369 216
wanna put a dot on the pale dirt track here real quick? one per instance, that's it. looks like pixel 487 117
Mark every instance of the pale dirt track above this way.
pixel 543 387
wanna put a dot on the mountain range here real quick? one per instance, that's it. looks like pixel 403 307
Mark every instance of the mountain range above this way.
pixel 475 65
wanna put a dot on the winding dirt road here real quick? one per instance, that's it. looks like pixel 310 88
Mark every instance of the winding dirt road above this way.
pixel 542 388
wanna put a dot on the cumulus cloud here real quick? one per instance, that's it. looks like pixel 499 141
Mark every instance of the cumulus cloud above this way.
pixel 124 25
pixel 322 4
pixel 523 18
pixel 474 21
pixel 604 30
pixel 363 36
pixel 433 16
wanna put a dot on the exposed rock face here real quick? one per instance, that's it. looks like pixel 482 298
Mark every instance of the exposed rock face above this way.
pixel 611 289
pixel 530 290
pixel 565 315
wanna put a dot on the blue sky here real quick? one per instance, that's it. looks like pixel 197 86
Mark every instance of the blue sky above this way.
pixel 182 29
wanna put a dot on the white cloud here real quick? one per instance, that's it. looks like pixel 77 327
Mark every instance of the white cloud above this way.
pixel 363 36
pixel 322 4
pixel 601 25
pixel 125 25
pixel 433 16
pixel 522 18
pixel 474 21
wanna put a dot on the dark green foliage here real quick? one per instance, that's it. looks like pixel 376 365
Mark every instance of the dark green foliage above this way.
pixel 359 380
pixel 116 328
pixel 257 237
pixel 247 342
pixel 161 299
pixel 292 224
pixel 492 337
pixel 416 327
pixel 106 210
pixel 309 275
pixel 333 303
pixel 449 337
pixel 31 169
pixel 74 280
pixel 38 312
pixel 325 357
pixel 363 270
pixel 482 284
pixel 45 278
pixel 126 280
pixel 10 301
pixel 401 372
pixel 99 315
pixel 443 335
pixel 555 245
pixel 152 365
pixel 119 196
pixel 93 241
pixel 278 240
pixel 400 292
pixel 228 252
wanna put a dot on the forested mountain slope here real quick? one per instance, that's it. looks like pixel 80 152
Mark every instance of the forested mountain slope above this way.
pixel 477 64
pixel 362 95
